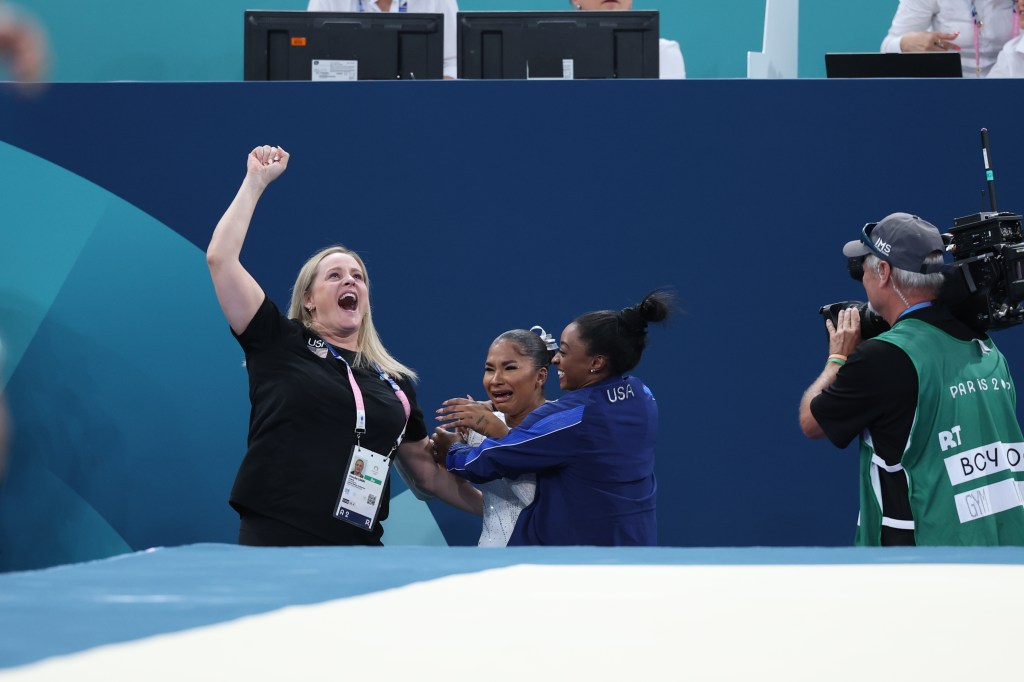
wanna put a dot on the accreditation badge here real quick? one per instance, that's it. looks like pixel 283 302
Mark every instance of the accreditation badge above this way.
pixel 359 501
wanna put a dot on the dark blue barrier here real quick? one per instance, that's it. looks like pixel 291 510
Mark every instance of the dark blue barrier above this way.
pixel 481 206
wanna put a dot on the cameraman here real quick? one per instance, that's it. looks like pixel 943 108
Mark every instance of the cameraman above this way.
pixel 933 404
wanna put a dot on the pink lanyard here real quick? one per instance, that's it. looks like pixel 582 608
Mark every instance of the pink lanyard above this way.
pixel 977 32
pixel 361 407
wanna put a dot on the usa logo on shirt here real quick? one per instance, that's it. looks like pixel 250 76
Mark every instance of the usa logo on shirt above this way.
pixel 317 347
pixel 618 393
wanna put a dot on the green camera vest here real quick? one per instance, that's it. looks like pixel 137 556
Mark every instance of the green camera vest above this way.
pixel 964 460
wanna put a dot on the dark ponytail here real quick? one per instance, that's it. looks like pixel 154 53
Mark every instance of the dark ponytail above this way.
pixel 621 336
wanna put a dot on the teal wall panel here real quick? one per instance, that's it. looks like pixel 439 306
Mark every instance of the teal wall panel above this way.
pixel 126 390
pixel 43 239
pixel 830 26
pixel 105 372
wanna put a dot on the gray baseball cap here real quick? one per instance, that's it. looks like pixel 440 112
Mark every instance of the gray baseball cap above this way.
pixel 900 239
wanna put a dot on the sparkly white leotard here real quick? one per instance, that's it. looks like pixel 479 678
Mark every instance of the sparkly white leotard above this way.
pixel 504 498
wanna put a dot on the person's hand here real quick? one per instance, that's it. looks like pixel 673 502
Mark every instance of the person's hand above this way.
pixel 441 442
pixel 844 336
pixel 265 164
pixel 928 41
pixel 466 413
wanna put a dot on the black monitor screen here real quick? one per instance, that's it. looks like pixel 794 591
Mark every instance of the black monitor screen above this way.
pixel 304 46
pixel 607 44
pixel 893 65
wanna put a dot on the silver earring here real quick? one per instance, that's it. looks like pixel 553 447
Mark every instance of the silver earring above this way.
pixel 593 371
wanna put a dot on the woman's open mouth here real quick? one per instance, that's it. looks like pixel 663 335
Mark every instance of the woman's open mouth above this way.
pixel 348 301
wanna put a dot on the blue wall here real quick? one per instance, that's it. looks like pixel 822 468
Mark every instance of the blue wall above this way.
pixel 199 40
pixel 498 204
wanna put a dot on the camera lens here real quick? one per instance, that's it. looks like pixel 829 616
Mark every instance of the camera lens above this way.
pixel 855 266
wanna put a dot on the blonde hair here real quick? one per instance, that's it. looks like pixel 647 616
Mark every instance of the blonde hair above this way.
pixel 370 351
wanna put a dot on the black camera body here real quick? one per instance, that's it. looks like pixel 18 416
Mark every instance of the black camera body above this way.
pixel 871 323
pixel 985 284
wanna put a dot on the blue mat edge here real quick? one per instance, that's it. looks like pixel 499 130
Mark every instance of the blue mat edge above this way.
pixel 65 609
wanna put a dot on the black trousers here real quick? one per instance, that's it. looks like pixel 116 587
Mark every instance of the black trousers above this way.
pixel 262 531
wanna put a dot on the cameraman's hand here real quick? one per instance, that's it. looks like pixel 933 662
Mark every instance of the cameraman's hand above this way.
pixel 844 336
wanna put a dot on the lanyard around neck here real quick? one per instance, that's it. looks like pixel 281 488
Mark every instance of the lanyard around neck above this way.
pixel 978 23
pixel 403 6
pixel 916 306
pixel 361 406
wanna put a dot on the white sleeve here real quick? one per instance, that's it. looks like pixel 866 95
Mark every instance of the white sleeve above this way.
pixel 329 6
pixel 451 59
pixel 1001 69
pixel 672 66
pixel 911 15
pixel 1009 56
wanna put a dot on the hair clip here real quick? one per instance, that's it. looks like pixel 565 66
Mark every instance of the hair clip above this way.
pixel 549 341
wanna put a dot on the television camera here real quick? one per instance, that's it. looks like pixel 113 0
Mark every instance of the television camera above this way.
pixel 984 285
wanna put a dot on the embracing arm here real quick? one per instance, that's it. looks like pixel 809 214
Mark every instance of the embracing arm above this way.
pixel 536 445
pixel 239 294
pixel 417 466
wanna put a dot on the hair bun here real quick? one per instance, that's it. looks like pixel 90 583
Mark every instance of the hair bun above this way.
pixel 654 308
pixel 632 319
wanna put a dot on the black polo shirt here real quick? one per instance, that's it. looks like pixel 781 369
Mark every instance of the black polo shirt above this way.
pixel 302 428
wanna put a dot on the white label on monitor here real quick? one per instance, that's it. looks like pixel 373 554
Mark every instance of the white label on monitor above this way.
pixel 335 70
pixel 567 72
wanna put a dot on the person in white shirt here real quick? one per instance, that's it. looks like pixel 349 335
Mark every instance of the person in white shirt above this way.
pixel 672 65
pixel 449 8
pixel 1010 63
pixel 978 29
pixel 515 372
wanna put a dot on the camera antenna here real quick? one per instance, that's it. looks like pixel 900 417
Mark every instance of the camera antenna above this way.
pixel 989 175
